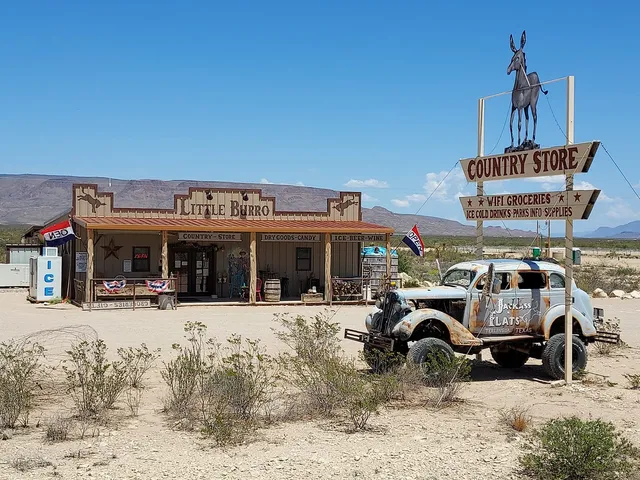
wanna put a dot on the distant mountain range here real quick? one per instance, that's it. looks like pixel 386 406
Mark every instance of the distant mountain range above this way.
pixel 629 230
pixel 35 199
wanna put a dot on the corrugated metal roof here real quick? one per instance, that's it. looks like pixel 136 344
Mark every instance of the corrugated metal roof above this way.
pixel 230 225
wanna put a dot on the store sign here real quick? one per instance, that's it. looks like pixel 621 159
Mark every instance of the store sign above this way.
pixel 82 258
pixel 568 159
pixel 116 304
pixel 234 209
pixel 358 237
pixel 290 237
pixel 574 204
pixel 209 237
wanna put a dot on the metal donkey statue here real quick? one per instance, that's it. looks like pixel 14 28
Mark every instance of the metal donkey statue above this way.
pixel 524 95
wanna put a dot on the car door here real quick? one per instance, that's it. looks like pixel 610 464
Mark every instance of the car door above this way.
pixel 491 315
pixel 532 300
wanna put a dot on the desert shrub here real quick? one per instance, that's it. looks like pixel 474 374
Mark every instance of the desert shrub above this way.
pixel 236 389
pixel 517 418
pixel 25 464
pixel 95 383
pixel 634 381
pixel 20 368
pixel 316 365
pixel 183 372
pixel 571 448
pixel 446 377
pixel 136 362
pixel 410 283
pixel 329 383
pixel 58 429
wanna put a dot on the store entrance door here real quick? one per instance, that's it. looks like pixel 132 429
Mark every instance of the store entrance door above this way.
pixel 194 268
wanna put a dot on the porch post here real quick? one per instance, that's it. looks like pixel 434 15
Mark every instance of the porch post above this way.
pixel 89 279
pixel 165 254
pixel 328 294
pixel 389 257
pixel 252 269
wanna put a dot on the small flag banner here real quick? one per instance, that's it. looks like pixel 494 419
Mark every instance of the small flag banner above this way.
pixel 114 286
pixel 414 242
pixel 58 234
pixel 157 286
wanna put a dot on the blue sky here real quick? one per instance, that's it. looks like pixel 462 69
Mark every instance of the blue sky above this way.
pixel 374 96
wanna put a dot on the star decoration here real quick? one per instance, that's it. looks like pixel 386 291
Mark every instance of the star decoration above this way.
pixel 111 249
pixel 577 196
pixel 469 202
pixel 481 202
pixel 561 198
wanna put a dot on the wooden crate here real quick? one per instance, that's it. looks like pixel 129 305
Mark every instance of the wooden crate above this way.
pixel 312 298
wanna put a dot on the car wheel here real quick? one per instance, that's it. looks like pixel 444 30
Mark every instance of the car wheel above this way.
pixel 509 358
pixel 381 361
pixel 428 349
pixel 553 356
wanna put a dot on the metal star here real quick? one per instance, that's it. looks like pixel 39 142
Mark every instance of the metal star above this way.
pixel 111 249
pixel 577 196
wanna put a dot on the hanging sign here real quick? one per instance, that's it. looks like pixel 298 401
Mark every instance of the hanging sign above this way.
pixel 290 237
pixel 358 237
pixel 82 259
pixel 568 159
pixel 574 204
pixel 209 237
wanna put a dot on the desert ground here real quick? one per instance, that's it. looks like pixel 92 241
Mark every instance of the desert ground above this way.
pixel 465 441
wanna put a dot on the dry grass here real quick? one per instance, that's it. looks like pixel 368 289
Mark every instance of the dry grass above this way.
pixel 25 464
pixel 517 418
pixel 634 381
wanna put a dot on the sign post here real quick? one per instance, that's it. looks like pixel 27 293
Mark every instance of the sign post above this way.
pixel 527 160
pixel 568 250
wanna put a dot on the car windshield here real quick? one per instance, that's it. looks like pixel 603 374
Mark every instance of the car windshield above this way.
pixel 462 278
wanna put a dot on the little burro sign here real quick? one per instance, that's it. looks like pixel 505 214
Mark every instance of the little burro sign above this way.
pixel 574 204
pixel 568 159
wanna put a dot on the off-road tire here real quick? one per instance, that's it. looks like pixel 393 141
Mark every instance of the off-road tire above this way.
pixel 553 356
pixel 381 361
pixel 509 358
pixel 422 349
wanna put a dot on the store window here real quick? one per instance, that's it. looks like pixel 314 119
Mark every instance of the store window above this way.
pixel 303 259
pixel 141 259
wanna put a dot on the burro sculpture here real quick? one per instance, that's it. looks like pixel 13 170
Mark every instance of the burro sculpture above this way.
pixel 525 93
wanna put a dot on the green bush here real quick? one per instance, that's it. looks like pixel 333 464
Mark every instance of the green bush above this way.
pixel 20 369
pixel 95 383
pixel 574 449
pixel 446 376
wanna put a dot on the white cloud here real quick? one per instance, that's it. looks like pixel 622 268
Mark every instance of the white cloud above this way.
pixel 589 186
pixel 368 198
pixel 371 183
pixel 400 203
pixel 265 181
pixel 549 179
pixel 622 211
pixel 446 188
pixel 300 184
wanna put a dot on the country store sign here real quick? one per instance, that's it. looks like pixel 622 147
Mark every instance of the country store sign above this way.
pixel 559 205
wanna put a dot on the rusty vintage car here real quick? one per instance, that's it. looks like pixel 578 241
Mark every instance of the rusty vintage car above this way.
pixel 515 308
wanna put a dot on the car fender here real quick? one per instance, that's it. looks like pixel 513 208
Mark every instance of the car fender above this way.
pixel 458 334
pixel 557 311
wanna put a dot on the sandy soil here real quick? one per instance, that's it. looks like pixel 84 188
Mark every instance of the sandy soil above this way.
pixel 466 441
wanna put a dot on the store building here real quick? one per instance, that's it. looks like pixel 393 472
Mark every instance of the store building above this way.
pixel 216 244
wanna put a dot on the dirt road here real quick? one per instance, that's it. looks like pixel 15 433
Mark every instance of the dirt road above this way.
pixel 467 441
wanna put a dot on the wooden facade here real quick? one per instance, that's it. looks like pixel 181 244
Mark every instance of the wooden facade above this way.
pixel 212 234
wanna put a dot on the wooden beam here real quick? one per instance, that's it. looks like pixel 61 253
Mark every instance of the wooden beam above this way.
pixel 252 269
pixel 389 256
pixel 165 254
pixel 327 268
pixel 90 261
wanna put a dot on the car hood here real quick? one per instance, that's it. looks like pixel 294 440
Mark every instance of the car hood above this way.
pixel 440 292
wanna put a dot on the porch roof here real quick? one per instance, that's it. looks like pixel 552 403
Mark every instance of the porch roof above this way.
pixel 229 225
